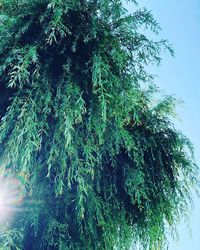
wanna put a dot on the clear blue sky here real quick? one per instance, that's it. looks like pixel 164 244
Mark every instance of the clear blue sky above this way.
pixel 180 22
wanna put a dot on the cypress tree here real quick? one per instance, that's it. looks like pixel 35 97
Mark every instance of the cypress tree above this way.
pixel 99 162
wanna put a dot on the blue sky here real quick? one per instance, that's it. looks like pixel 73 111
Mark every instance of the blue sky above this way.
pixel 180 76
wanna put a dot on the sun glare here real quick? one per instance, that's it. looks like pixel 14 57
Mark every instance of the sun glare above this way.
pixel 10 197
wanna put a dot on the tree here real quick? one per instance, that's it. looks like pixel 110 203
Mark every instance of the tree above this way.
pixel 98 159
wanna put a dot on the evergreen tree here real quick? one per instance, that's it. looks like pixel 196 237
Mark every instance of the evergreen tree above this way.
pixel 99 161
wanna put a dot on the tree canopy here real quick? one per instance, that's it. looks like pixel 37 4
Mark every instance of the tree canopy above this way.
pixel 99 161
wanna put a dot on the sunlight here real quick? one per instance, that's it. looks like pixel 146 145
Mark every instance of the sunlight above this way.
pixel 10 197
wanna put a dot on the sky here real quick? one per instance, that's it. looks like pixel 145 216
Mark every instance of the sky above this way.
pixel 180 76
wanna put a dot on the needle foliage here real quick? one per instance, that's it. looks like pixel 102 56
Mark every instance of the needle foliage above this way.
pixel 100 162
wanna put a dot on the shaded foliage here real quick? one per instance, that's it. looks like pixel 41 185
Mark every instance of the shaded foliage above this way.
pixel 101 164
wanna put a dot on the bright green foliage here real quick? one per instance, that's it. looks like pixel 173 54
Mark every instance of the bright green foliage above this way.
pixel 101 165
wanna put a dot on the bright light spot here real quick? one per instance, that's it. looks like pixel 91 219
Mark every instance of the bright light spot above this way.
pixel 10 197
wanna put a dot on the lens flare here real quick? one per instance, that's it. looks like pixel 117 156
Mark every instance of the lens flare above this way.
pixel 10 197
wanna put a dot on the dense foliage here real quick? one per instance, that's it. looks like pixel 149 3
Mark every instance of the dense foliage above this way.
pixel 100 163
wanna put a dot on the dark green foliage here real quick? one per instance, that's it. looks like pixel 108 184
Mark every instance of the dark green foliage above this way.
pixel 101 164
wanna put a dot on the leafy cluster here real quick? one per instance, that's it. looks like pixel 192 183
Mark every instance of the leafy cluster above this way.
pixel 101 164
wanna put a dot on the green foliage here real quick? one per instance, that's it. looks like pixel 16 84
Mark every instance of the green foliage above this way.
pixel 101 164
